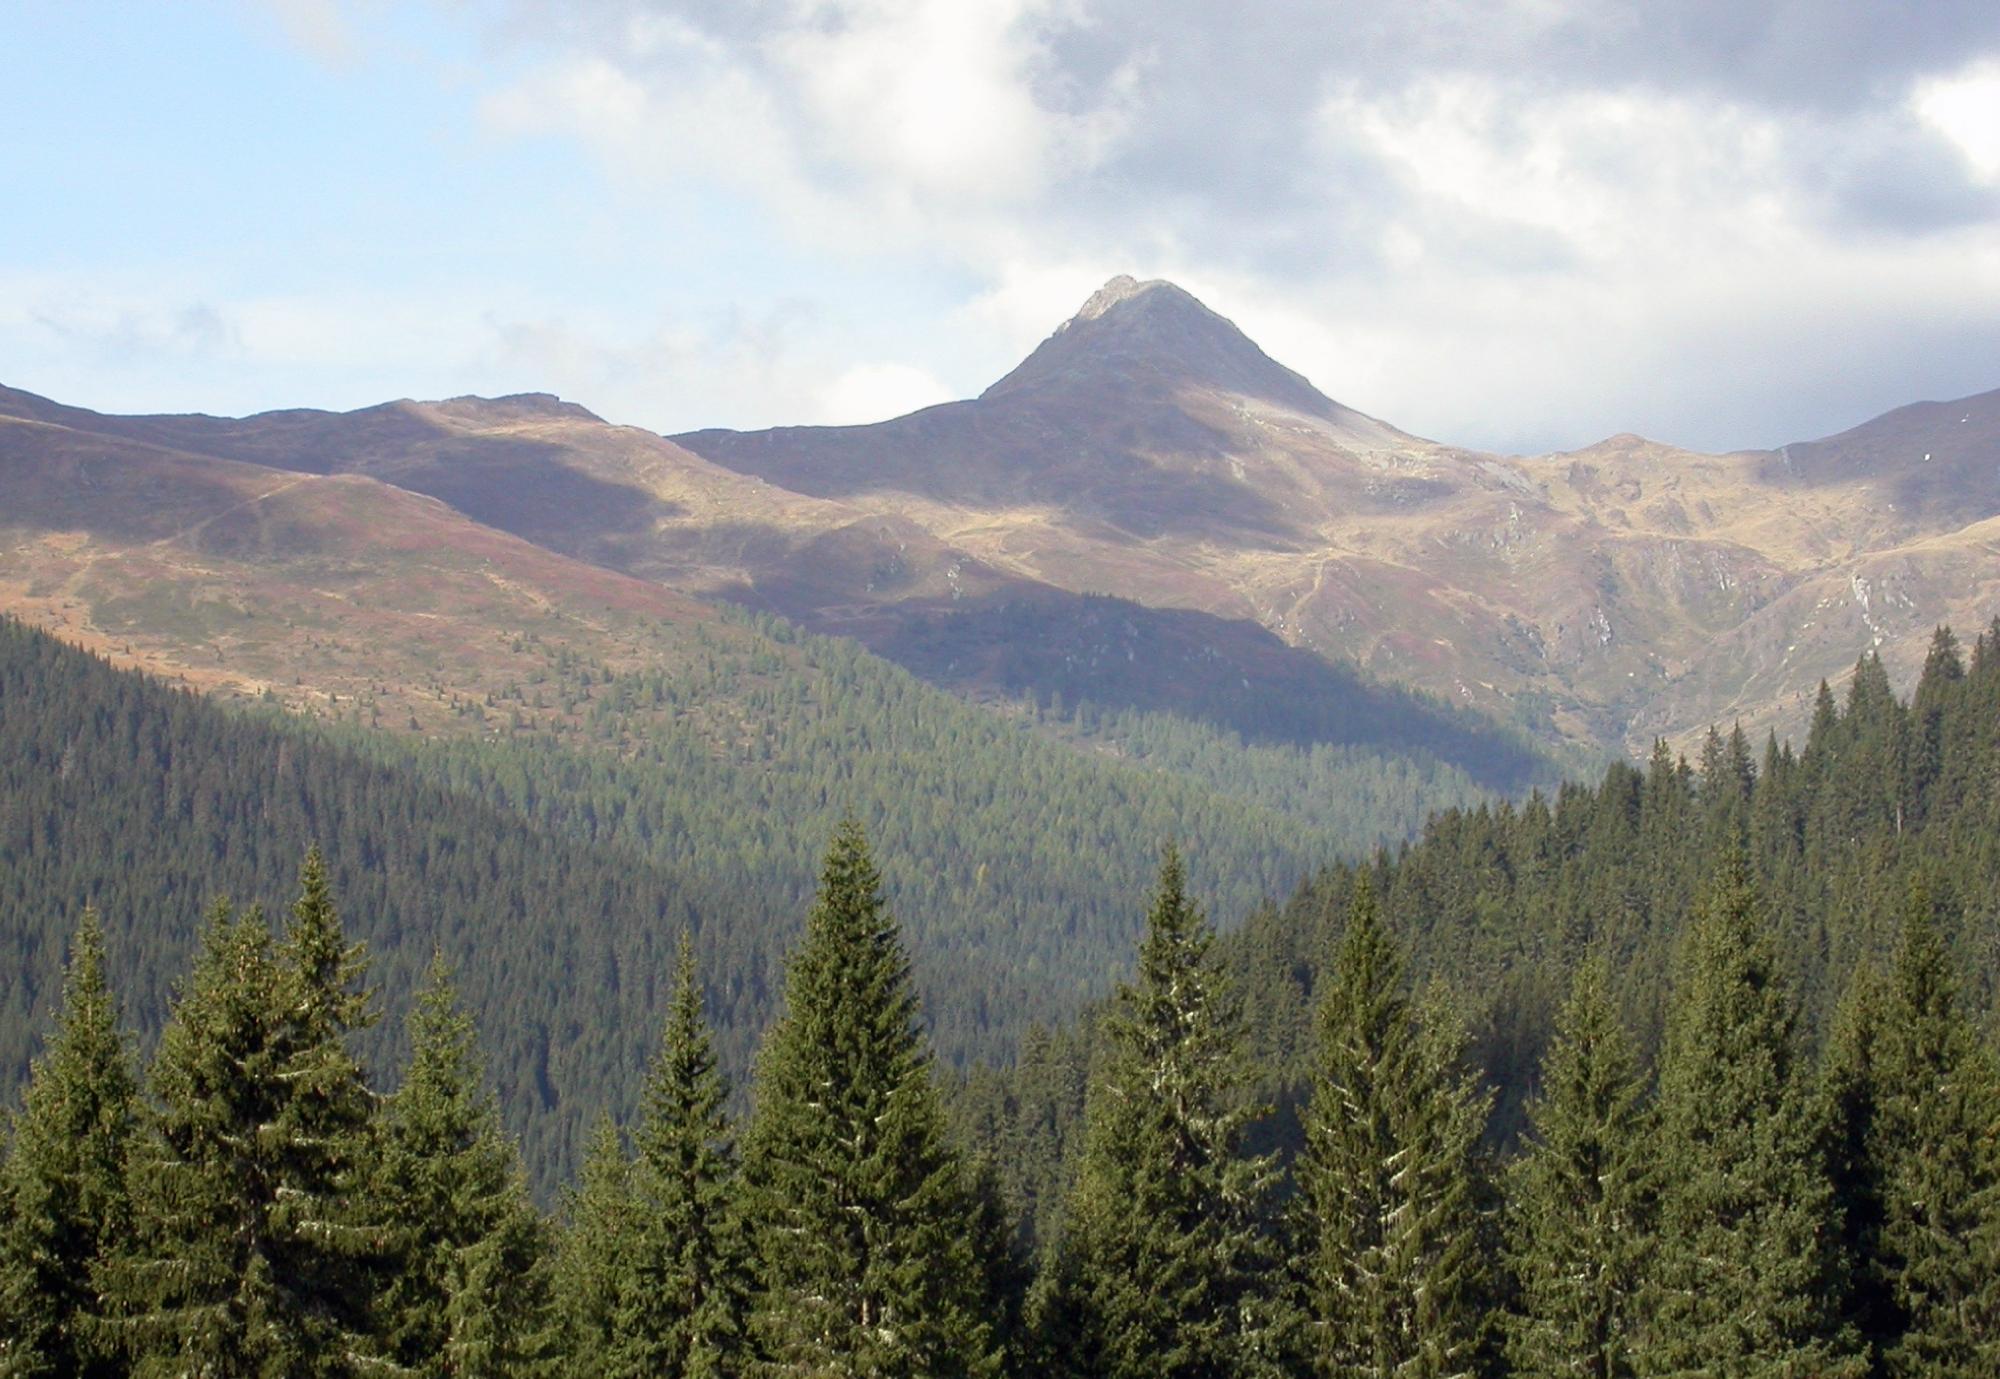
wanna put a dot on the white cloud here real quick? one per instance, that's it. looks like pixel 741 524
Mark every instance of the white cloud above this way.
pixel 1965 108
pixel 858 125
pixel 925 95
pixel 875 392
pixel 1515 224
pixel 1561 264
pixel 1594 177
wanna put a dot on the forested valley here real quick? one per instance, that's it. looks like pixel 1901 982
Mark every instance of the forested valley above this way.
pixel 555 870
pixel 1689 1072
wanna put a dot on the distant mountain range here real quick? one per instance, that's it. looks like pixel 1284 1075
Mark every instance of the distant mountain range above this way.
pixel 1147 512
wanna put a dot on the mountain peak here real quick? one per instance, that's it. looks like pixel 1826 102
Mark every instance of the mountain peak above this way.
pixel 1154 335
pixel 512 407
pixel 1124 288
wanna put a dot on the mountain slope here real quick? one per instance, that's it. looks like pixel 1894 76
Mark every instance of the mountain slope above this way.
pixel 1932 463
pixel 1275 557
pixel 609 710
pixel 319 590
pixel 623 499
pixel 1151 451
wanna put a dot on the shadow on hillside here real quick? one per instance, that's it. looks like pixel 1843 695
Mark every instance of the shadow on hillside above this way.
pixel 525 487
pixel 94 476
pixel 1003 454
pixel 61 481
pixel 1231 673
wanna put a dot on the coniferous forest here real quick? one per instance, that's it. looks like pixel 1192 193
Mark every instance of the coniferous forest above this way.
pixel 556 878
pixel 1035 689
pixel 1690 1072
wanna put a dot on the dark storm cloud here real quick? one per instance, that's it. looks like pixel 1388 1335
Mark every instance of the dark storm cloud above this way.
pixel 1224 97
pixel 1889 173
pixel 1829 55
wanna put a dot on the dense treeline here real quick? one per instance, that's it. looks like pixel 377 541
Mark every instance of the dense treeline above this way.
pixel 552 874
pixel 1500 903
pixel 1011 850
pixel 1749 1208
pixel 1686 1073
pixel 148 803
pixel 1503 900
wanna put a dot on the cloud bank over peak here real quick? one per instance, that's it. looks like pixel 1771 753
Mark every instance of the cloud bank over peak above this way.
pixel 1519 224
pixel 1511 224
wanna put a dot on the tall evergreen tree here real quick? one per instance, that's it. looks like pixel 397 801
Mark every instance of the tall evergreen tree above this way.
pixel 334 1233
pixel 1745 1281
pixel 1580 1201
pixel 1394 1222
pixel 858 1212
pixel 1005 1270
pixel 1935 1148
pixel 468 1288
pixel 64 1181
pixel 590 1262
pixel 1170 1271
pixel 1852 1092
pixel 200 1281
pixel 254 1247
pixel 682 1300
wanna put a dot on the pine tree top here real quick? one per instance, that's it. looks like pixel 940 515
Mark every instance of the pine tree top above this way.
pixel 86 1072
pixel 326 970
pixel 850 1025
pixel 443 1098
pixel 1364 1003
pixel 681 1120
pixel 1591 1080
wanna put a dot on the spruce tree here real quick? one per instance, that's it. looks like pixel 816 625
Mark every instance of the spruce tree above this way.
pixel 255 1240
pixel 334 1232
pixel 199 1282
pixel 857 1209
pixel 1579 1204
pixel 468 1288
pixel 1394 1222
pixel 590 1262
pixel 1005 1268
pixel 64 1181
pixel 682 1298
pixel 1746 1279
pixel 1936 1150
pixel 1851 1125
pixel 1170 1272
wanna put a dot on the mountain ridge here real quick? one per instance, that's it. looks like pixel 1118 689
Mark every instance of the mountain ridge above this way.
pixel 1590 585
pixel 1149 451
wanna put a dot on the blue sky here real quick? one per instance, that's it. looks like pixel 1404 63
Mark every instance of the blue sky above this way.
pixel 1518 225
